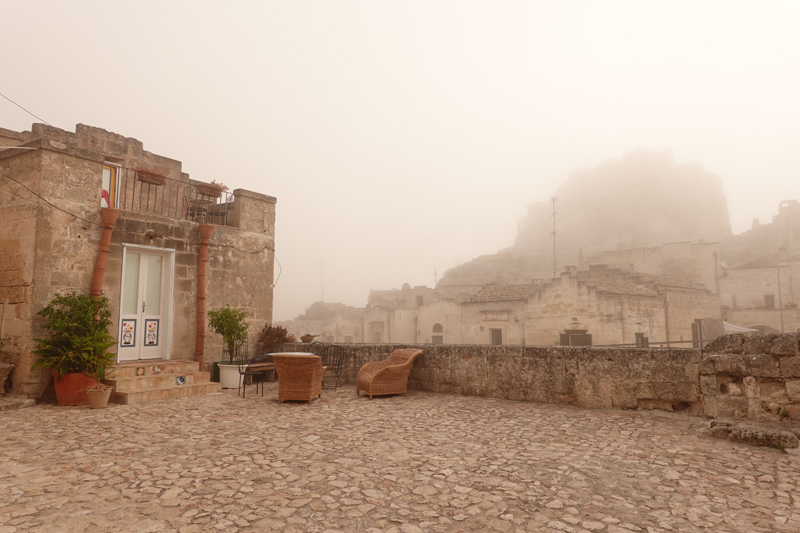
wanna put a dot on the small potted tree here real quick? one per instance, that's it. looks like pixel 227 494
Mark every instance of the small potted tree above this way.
pixel 231 324
pixel 78 347
pixel 307 337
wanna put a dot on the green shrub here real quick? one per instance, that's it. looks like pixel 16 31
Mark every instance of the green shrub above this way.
pixel 231 324
pixel 80 340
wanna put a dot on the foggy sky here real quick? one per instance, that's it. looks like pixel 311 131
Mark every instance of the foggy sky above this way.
pixel 402 138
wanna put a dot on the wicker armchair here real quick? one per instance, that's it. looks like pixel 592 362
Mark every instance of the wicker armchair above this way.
pixel 389 376
pixel 299 376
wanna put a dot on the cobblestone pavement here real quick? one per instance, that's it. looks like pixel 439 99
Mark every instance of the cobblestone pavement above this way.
pixel 424 462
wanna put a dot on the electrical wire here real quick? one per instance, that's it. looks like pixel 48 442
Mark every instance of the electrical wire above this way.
pixel 45 200
pixel 28 112
pixel 266 247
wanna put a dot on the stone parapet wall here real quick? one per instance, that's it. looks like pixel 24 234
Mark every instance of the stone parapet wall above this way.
pixel 586 377
pixel 754 378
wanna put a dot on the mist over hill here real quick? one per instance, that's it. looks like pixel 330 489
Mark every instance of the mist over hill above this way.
pixel 644 197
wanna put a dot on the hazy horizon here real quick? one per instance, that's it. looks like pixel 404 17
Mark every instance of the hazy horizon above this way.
pixel 401 139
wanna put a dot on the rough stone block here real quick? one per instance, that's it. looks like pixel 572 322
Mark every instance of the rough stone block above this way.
pixel 772 389
pixel 708 365
pixel 731 407
pixel 708 385
pixel 793 390
pixel 790 367
pixel 677 391
pixel 644 389
pixel 725 344
pixel 751 389
pixel 757 345
pixel 754 436
pixel 710 406
pixel 785 344
pixel 747 365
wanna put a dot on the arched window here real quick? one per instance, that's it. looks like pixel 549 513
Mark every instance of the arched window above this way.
pixel 438 334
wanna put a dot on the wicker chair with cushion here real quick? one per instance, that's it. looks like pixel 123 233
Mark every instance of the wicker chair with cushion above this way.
pixel 299 376
pixel 389 376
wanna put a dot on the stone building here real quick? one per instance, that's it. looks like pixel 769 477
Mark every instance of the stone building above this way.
pixel 762 295
pixel 95 212
pixel 597 306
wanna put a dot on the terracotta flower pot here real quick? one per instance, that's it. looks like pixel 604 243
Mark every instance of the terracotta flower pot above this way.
pixel 71 388
pixel 307 338
pixel 209 190
pixel 98 398
pixel 146 177
pixel 289 339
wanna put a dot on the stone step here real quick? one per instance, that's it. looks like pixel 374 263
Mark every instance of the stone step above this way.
pixel 164 393
pixel 158 381
pixel 154 367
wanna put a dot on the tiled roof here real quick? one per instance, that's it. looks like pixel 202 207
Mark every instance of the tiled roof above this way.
pixel 668 281
pixel 623 289
pixel 500 292
pixel 752 265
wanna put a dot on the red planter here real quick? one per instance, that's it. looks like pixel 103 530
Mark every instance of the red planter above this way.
pixel 71 388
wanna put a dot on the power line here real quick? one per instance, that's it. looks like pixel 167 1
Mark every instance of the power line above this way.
pixel 45 200
pixel 28 112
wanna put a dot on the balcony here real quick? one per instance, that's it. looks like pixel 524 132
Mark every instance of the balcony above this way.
pixel 148 192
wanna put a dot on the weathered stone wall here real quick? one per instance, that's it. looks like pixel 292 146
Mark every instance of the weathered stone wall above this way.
pixel 587 377
pixel 740 377
pixel 755 378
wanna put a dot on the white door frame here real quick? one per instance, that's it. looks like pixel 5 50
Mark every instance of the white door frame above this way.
pixel 164 332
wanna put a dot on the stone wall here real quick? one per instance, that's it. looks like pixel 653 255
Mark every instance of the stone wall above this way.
pixel 754 378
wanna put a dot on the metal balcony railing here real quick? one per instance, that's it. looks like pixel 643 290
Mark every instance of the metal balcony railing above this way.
pixel 147 192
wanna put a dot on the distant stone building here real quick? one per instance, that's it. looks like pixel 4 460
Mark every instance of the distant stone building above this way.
pixel 598 306
pixel 93 211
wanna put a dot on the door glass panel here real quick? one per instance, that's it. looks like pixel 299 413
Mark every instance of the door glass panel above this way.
pixel 153 297
pixel 130 290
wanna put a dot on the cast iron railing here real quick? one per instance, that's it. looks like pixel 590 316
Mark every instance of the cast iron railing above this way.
pixel 148 192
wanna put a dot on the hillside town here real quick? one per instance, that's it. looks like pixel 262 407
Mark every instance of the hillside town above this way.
pixel 612 281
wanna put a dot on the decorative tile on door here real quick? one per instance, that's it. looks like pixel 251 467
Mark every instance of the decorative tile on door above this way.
pixel 151 332
pixel 128 339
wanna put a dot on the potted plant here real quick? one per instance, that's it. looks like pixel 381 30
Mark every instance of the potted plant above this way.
pixel 307 337
pixel 211 189
pixel 289 338
pixel 79 344
pixel 271 338
pixel 231 324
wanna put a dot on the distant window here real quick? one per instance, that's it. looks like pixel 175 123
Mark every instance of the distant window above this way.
pixel 108 195
pixel 376 337
pixel 575 337
pixel 769 301
pixel 642 341
pixel 348 338
pixel 497 336
pixel 419 301
pixel 697 333
pixel 437 337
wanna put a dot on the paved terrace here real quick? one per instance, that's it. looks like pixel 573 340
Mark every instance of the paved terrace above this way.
pixel 425 462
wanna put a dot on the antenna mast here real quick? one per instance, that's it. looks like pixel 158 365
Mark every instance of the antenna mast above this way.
pixel 553 216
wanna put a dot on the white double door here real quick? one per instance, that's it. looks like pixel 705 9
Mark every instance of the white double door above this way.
pixel 146 302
